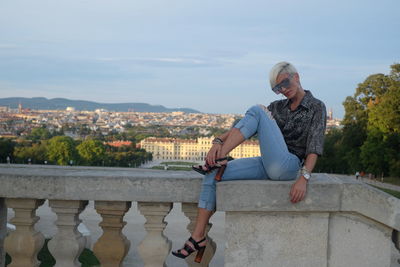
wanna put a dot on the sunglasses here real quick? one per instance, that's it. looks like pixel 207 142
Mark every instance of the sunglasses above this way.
pixel 284 83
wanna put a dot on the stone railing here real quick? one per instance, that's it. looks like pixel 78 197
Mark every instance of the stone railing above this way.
pixel 24 188
pixel 340 223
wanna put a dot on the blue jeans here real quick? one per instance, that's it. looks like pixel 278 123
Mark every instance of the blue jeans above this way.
pixel 275 163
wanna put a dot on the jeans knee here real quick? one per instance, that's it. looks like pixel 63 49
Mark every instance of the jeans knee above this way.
pixel 275 171
pixel 256 109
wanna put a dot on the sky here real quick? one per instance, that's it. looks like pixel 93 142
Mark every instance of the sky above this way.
pixel 212 56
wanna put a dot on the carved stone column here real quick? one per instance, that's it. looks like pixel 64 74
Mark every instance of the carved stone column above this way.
pixel 190 211
pixel 25 242
pixel 3 230
pixel 155 247
pixel 112 247
pixel 67 245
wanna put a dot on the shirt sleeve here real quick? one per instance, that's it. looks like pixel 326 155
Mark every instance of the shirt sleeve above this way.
pixel 316 134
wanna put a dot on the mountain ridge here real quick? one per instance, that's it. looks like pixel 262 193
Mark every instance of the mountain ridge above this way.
pixel 43 103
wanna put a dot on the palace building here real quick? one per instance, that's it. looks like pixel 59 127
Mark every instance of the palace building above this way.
pixel 194 150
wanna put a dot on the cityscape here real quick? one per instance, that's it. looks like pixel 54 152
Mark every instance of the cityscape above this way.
pixel 19 122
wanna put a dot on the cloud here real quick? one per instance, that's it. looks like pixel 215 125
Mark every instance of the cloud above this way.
pixel 9 46
pixel 177 62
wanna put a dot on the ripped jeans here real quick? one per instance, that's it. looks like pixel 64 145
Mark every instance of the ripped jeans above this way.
pixel 275 163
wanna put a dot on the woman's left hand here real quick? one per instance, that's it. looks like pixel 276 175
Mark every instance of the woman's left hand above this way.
pixel 298 190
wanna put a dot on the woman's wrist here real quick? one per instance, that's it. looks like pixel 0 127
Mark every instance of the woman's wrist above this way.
pixel 217 141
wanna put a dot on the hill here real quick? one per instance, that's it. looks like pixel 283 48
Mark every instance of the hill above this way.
pixel 63 103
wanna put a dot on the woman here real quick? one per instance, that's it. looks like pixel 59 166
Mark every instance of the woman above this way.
pixel 290 132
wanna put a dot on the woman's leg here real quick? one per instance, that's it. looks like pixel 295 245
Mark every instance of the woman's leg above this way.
pixel 278 162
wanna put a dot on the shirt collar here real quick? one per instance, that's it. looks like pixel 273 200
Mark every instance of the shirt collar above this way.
pixel 305 102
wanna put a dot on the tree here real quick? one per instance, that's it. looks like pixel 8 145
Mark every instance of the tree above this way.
pixel 6 149
pixel 91 152
pixel 61 150
pixel 40 133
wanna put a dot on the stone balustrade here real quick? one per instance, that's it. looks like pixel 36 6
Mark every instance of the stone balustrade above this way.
pixel 340 223
pixel 24 188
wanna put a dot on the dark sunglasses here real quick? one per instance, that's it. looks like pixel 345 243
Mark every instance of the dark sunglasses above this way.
pixel 284 83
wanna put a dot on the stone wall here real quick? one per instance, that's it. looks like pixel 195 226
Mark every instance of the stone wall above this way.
pixel 339 223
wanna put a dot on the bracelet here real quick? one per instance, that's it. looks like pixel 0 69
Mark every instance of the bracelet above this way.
pixel 218 141
pixel 305 173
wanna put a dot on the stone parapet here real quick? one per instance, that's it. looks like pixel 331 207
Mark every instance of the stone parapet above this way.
pixel 341 222
pixel 93 183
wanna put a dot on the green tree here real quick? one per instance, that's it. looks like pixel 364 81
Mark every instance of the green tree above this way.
pixel 40 133
pixel 91 152
pixel 37 152
pixel 6 149
pixel 61 150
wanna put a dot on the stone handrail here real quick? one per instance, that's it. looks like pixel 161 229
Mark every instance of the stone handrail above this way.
pixel 68 189
pixel 341 222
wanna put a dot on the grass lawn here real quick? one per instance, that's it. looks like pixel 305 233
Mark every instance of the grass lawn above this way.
pixel 391 192
pixel 173 168
pixel 178 163
pixel 390 180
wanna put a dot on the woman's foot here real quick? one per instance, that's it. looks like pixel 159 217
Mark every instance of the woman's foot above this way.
pixel 204 169
pixel 192 245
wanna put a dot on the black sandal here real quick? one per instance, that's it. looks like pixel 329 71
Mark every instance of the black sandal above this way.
pixel 200 169
pixel 190 250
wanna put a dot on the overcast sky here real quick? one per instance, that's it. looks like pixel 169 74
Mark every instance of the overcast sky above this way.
pixel 213 56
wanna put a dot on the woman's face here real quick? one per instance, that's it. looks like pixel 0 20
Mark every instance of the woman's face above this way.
pixel 288 89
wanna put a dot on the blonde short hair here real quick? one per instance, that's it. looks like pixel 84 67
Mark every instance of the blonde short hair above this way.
pixel 280 68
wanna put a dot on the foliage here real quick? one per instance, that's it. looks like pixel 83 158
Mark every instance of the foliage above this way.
pixel 61 150
pixel 40 133
pixel 370 138
pixel 6 149
pixel 37 153
pixel 91 152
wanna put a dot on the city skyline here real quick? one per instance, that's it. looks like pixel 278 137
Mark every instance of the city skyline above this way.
pixel 210 56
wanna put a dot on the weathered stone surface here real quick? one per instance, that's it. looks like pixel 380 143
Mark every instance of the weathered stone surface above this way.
pixel 94 183
pixel 276 239
pixel 372 203
pixel 323 194
pixel 3 230
pixel 358 242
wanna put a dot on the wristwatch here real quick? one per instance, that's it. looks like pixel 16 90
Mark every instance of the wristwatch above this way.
pixel 305 173
pixel 217 141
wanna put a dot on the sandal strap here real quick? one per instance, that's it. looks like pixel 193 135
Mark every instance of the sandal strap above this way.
pixel 188 249
pixel 196 244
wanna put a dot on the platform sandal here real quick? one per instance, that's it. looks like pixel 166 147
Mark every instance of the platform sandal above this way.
pixel 200 168
pixel 190 250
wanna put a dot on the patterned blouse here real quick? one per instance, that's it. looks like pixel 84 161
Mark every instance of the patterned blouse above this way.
pixel 303 128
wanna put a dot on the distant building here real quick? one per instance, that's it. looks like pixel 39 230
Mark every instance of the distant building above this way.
pixel 194 150
pixel 70 109
pixel 119 143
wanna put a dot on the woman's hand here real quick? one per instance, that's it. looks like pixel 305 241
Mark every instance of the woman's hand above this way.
pixel 298 190
pixel 213 154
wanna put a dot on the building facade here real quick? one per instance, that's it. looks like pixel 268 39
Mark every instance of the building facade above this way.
pixel 193 150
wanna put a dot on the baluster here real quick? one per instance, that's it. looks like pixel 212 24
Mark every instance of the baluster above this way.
pixel 155 247
pixel 24 243
pixel 112 247
pixel 3 230
pixel 190 211
pixel 67 245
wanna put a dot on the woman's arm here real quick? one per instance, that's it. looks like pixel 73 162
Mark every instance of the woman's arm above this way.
pixel 299 188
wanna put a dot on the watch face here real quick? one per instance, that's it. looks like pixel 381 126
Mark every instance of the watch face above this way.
pixel 306 175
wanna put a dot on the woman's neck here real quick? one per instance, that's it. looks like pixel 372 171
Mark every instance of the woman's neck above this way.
pixel 296 99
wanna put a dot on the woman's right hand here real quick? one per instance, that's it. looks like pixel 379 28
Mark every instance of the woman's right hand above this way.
pixel 213 154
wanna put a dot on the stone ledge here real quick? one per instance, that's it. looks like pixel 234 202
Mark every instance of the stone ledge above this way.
pixel 94 183
pixel 325 194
